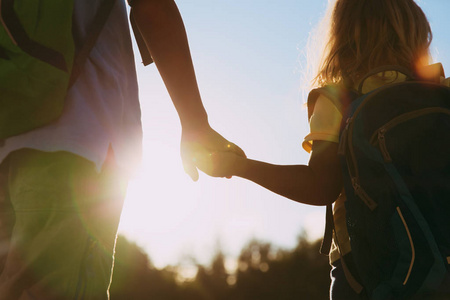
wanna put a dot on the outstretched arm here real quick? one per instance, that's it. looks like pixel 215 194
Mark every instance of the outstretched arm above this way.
pixel 162 29
pixel 318 183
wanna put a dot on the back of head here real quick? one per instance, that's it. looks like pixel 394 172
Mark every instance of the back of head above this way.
pixel 365 34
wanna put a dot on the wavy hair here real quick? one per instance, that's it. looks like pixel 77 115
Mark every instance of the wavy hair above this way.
pixel 365 34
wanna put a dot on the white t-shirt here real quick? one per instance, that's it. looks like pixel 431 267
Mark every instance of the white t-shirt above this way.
pixel 102 107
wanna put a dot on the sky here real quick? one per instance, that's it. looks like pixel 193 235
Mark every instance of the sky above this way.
pixel 249 58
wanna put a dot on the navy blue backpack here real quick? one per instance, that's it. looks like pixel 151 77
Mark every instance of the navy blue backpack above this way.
pixel 395 150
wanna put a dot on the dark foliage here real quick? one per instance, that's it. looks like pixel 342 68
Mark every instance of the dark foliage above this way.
pixel 263 273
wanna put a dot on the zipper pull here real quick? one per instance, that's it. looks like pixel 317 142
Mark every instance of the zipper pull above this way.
pixel 343 141
pixel 382 144
pixel 361 193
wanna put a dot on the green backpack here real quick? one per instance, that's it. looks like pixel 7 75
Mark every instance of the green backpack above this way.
pixel 38 60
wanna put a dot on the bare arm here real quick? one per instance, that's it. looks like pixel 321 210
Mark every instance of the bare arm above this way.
pixel 162 29
pixel 318 183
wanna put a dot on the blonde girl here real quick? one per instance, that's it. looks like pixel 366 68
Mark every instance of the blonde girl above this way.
pixel 363 35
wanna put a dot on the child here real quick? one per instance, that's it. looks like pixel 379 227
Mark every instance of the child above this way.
pixel 363 35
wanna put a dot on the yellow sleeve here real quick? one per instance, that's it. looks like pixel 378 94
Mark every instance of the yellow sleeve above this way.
pixel 324 124
pixel 445 81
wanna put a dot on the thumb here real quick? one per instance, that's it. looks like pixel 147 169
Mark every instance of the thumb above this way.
pixel 191 170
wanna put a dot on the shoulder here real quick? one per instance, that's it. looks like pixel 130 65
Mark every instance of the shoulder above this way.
pixel 338 96
pixel 325 116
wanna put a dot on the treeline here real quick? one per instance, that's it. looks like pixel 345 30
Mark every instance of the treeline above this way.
pixel 263 273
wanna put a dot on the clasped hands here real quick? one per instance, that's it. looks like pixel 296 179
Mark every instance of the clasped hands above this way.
pixel 208 151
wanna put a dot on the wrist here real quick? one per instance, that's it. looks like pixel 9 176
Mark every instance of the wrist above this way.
pixel 241 165
pixel 196 123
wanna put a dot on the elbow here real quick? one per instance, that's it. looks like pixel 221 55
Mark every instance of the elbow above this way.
pixel 326 188
pixel 315 197
pixel 323 194
pixel 329 190
pixel 324 199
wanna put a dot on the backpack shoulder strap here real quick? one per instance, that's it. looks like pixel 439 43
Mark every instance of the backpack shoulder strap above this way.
pixel 430 73
pixel 399 69
pixel 94 31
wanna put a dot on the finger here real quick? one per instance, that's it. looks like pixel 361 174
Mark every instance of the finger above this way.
pixel 203 162
pixel 214 162
pixel 191 170
pixel 187 157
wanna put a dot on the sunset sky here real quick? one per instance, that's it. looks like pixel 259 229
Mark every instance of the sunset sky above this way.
pixel 249 57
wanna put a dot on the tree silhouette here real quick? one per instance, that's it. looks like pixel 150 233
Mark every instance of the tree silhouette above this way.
pixel 214 280
pixel 136 278
pixel 264 273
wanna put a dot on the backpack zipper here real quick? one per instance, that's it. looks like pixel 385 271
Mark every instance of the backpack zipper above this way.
pixel 382 143
pixel 343 142
pixel 361 193
pixel 379 135
pixel 354 174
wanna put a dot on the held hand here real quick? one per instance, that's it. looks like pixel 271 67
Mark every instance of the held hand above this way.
pixel 198 143
pixel 218 164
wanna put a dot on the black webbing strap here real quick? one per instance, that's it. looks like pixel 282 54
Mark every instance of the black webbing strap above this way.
pixel 19 36
pixel 328 234
pixel 94 31
pixel 326 246
pixel 354 284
